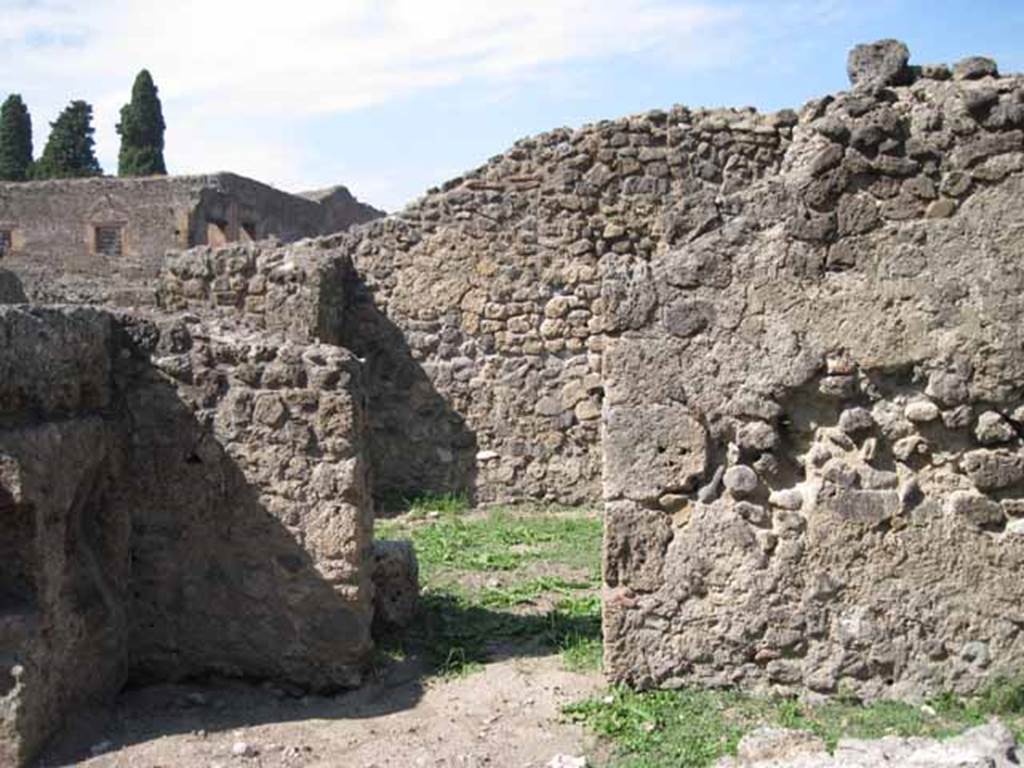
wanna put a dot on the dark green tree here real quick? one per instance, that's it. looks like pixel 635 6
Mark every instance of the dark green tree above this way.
pixel 15 140
pixel 142 131
pixel 69 149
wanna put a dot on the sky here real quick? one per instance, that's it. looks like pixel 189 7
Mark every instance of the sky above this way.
pixel 391 97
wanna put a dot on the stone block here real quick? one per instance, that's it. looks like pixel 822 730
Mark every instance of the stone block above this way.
pixel 652 450
pixel 396 585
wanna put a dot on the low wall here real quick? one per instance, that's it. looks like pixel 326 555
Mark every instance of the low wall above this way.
pixel 298 290
pixel 179 499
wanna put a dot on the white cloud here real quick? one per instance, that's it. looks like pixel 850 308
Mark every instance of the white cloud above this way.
pixel 229 68
pixel 326 55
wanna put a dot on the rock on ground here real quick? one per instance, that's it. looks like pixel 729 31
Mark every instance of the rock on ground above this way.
pixel 396 584
pixel 987 746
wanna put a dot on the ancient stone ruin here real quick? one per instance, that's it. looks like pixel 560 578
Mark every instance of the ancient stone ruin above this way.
pixel 103 240
pixel 180 496
pixel 782 349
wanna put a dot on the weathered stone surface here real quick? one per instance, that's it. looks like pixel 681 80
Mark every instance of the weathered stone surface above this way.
pixel 787 498
pixel 977 509
pixel 757 437
pixel 880 63
pixel 992 470
pixel 396 584
pixel 740 481
pixel 652 450
pixel 975 67
pixel 211 512
pixel 635 542
pixel 986 746
pixel 893 450
pixel 948 387
pixel 856 420
pixel 993 428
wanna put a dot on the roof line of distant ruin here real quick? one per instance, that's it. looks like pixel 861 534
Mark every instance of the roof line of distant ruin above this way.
pixel 198 178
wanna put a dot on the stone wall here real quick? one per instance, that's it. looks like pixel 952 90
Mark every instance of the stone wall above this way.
pixel 297 290
pixel 179 497
pixel 813 415
pixel 499 287
pixel 65 560
pixel 341 209
pixel 484 309
pixel 312 290
pixel 783 347
pixel 52 228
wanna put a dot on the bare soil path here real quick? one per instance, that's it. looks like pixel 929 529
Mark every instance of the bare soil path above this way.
pixel 505 715
pixel 508 635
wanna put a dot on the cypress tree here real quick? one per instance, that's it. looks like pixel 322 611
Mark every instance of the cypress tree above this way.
pixel 142 131
pixel 69 149
pixel 15 140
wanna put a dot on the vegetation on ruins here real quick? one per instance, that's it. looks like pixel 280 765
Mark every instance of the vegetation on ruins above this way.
pixel 695 727
pixel 69 151
pixel 529 578
pixel 142 131
pixel 525 577
pixel 15 140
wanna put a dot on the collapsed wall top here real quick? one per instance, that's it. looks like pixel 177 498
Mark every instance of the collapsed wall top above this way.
pixel 887 63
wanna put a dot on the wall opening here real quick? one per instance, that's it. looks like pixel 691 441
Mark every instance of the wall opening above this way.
pixel 217 232
pixel 247 232
pixel 108 240
pixel 6 242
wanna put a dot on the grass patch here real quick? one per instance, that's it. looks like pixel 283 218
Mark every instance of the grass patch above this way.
pixel 666 728
pixel 424 505
pixel 577 632
pixel 530 591
pixel 457 634
pixel 693 728
pixel 545 564
pixel 501 540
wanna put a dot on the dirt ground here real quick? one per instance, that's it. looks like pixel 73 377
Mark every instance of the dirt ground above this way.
pixel 471 683
pixel 505 716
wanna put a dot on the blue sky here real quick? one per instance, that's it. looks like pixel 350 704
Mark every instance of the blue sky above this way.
pixel 393 96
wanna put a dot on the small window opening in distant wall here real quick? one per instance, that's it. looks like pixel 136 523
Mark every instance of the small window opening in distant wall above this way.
pixel 108 240
pixel 216 232
pixel 6 242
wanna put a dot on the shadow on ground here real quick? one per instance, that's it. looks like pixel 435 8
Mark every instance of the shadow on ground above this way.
pixel 448 637
pixel 452 636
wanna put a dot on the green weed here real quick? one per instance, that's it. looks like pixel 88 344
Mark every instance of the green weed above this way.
pixel 449 504
pixel 694 728
pixel 501 540
pixel 527 608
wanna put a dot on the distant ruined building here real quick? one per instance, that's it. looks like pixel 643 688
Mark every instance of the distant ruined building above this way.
pixel 783 350
pixel 104 239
